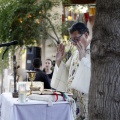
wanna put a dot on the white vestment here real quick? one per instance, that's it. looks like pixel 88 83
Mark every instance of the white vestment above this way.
pixel 65 77
pixel 74 76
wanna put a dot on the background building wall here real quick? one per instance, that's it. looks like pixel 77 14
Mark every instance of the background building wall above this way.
pixel 51 45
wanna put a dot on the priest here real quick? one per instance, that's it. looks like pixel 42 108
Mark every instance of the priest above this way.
pixel 74 75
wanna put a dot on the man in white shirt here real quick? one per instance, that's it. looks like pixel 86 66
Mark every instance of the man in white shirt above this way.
pixel 74 76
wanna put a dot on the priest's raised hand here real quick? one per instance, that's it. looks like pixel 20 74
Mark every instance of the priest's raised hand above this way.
pixel 60 54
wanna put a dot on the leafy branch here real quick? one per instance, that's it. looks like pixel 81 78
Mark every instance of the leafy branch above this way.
pixel 22 20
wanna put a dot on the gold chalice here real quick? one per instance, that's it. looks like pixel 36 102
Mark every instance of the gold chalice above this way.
pixel 32 75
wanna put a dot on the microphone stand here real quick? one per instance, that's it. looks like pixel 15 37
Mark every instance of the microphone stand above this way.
pixel 15 93
pixel 2 89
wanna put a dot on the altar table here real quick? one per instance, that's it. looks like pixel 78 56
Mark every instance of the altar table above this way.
pixel 12 109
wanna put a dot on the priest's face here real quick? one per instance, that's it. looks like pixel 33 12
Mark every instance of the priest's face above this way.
pixel 77 37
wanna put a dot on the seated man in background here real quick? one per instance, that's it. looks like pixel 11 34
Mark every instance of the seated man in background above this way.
pixel 40 75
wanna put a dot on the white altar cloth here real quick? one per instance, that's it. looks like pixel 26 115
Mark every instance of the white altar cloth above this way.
pixel 11 109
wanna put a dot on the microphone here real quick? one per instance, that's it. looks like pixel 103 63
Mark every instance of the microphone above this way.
pixel 15 42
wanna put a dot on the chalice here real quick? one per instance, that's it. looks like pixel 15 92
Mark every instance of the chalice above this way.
pixel 32 75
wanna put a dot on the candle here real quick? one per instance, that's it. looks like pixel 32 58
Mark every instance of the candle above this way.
pixel 22 92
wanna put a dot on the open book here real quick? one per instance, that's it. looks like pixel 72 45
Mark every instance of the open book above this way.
pixel 50 92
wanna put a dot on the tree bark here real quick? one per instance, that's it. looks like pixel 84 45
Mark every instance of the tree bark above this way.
pixel 104 94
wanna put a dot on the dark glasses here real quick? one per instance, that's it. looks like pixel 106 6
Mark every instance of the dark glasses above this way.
pixel 76 39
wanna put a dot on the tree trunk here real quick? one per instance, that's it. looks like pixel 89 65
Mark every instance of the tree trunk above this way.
pixel 43 51
pixel 104 94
